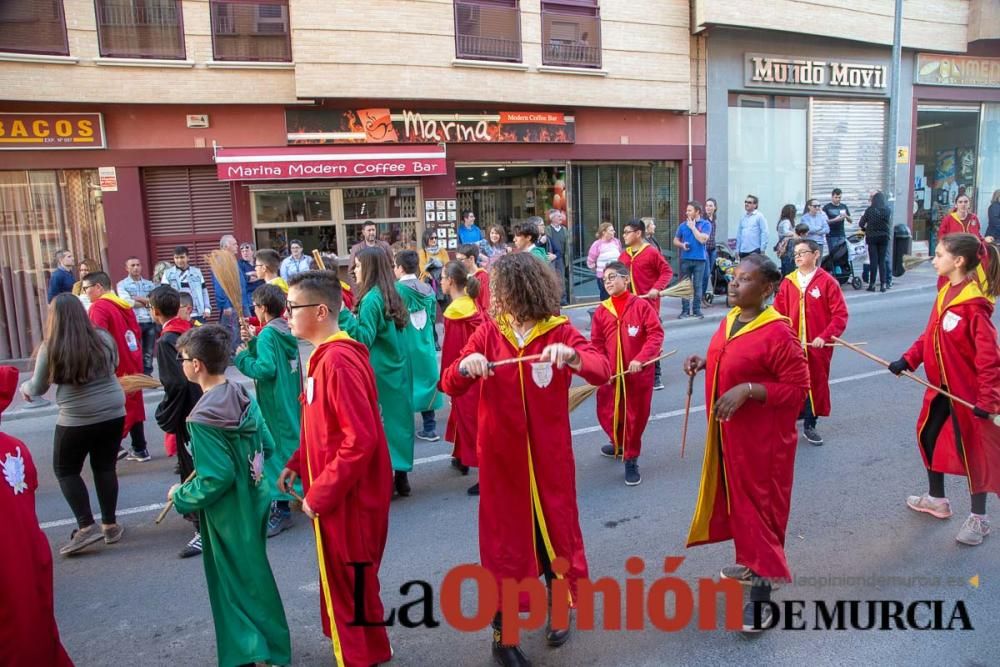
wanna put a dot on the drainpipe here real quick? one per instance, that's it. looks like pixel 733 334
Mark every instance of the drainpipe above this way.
pixel 690 162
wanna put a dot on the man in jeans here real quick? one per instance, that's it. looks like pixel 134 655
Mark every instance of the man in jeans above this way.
pixel 228 318
pixel 188 279
pixel 751 235
pixel 134 290
pixel 691 237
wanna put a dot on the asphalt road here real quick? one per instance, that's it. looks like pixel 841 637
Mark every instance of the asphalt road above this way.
pixel 136 602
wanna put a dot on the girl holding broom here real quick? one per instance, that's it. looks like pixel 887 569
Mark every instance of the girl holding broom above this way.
pixel 377 323
pixel 461 319
pixel 527 512
pixel 959 352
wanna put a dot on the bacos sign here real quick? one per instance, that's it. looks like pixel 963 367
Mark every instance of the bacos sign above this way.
pixel 779 72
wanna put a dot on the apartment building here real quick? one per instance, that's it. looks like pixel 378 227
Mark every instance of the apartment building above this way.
pixel 130 126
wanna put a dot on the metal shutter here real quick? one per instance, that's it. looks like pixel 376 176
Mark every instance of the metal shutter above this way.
pixel 846 150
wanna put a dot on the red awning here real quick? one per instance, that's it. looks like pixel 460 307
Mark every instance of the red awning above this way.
pixel 310 162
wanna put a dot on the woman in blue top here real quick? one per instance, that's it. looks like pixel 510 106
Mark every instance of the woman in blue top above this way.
pixel 692 234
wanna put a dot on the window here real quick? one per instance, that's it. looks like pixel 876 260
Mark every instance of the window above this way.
pixel 488 30
pixel 256 30
pixel 33 26
pixel 140 29
pixel 571 33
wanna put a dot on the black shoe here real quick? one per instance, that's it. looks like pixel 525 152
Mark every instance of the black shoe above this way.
pixel 473 490
pixel 766 617
pixel 657 384
pixel 871 288
pixel 632 477
pixel 555 638
pixel 882 288
pixel 740 573
pixel 457 465
pixel 608 450
pixel 402 483
pixel 508 656
pixel 812 436
pixel 193 548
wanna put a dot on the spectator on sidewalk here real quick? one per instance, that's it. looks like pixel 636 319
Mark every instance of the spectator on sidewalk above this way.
pixel 369 234
pixel 819 226
pixel 605 249
pixel 134 290
pixel 80 360
pixel 469 231
pixel 837 215
pixel 558 235
pixel 496 247
pixel 993 219
pixel 62 280
pixel 751 234
pixel 188 279
pixel 87 266
pixel 692 235
pixel 711 214
pixel 245 260
pixel 228 317
pixel 875 224
pixel 785 248
pixel 295 263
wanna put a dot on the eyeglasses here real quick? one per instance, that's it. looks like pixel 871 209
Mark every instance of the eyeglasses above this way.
pixel 293 306
pixel 181 358
pixel 609 277
pixel 813 205
pixel 803 253
pixel 749 201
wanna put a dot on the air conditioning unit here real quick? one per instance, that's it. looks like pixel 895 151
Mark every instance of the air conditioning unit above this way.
pixel 197 121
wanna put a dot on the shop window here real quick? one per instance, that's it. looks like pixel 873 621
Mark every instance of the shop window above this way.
pixel 571 33
pixel 252 31
pixel 33 26
pixel 488 30
pixel 140 29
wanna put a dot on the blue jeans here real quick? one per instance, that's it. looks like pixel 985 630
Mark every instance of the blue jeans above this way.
pixel 430 423
pixel 231 323
pixel 695 268
pixel 712 254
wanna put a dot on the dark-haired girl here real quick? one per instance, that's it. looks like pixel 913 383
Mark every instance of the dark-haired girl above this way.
pixel 959 352
pixel 80 360
pixel 757 379
pixel 377 323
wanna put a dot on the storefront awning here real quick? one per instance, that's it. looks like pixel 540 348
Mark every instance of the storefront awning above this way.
pixel 308 162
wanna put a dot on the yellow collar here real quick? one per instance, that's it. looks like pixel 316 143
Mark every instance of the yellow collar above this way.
pixel 461 308
pixel 541 328
pixel 971 291
pixel 633 253
pixel 766 316
pixel 117 300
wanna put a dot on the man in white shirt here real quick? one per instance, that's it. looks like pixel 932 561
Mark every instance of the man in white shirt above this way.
pixel 751 235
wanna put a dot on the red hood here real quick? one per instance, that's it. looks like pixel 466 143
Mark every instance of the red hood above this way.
pixel 341 344
pixel 176 325
pixel 8 385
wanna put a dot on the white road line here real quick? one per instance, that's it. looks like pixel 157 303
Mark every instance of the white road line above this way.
pixel 447 457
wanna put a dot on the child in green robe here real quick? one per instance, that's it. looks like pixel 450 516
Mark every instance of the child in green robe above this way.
pixel 271 358
pixel 230 492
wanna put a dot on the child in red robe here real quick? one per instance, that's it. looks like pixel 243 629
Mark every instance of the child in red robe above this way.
pixel 756 382
pixel 28 631
pixel 346 473
pixel 468 255
pixel 649 273
pixel 812 300
pixel 627 332
pixel 112 314
pixel 527 477
pixel 959 352
pixel 461 319
pixel 960 221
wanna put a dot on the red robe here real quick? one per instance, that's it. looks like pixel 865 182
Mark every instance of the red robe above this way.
pixel 483 300
pixel 746 477
pixel 633 333
pixel 648 269
pixel 112 314
pixel 347 295
pixel 461 319
pixel 959 351
pixel 526 467
pixel 343 461
pixel 823 313
pixel 951 224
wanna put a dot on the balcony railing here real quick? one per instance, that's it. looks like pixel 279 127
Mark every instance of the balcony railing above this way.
pixel 571 40
pixel 487 32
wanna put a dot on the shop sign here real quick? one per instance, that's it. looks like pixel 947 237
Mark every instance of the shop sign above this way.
pixel 407 126
pixel 250 165
pixel 807 74
pixel 936 69
pixel 48 131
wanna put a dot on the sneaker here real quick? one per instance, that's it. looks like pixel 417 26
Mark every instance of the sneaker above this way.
pixel 192 548
pixel 473 490
pixel 141 455
pixel 750 619
pixel 112 533
pixel 608 450
pixel 698 316
pixel 812 436
pixel 278 522
pixel 429 436
pixel 937 507
pixel 402 483
pixel 683 316
pixel 632 476
pixel 657 384
pixel 975 528
pixel 122 452
pixel 740 573
pixel 81 538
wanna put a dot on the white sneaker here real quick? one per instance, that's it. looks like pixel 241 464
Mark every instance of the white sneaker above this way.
pixel 974 529
pixel 936 507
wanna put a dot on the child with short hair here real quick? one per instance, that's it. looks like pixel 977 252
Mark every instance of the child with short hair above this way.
pixel 468 255
pixel 230 492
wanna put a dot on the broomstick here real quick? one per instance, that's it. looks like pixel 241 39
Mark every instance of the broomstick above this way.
pixel 912 261
pixel 684 289
pixel 505 362
pixel 137 382
pixel 170 503
pixel 227 272
pixel 916 378
pixel 687 413
pixel 864 342
pixel 318 258
pixel 577 395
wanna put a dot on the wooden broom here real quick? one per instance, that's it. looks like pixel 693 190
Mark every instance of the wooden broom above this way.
pixel 138 382
pixel 577 395
pixel 318 258
pixel 684 289
pixel 227 272
pixel 913 261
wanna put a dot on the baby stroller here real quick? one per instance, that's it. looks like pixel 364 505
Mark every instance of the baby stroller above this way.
pixel 722 273
pixel 840 262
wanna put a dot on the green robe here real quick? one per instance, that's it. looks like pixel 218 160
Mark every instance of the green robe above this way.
pixel 229 443
pixel 272 361
pixel 419 339
pixel 372 329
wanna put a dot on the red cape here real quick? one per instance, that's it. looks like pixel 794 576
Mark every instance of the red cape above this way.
pixel 648 269
pixel 483 300
pixel 951 224
pixel 347 479
pixel 461 319
pixel 118 319
pixel 347 295
pixel 623 406
pixel 959 350
pixel 822 313
pixel 526 465
pixel 746 478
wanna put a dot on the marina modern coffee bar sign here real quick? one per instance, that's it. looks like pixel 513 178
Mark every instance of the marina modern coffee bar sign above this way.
pixel 811 74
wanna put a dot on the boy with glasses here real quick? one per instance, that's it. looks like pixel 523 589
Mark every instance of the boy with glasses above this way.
pixel 268 266
pixel 649 273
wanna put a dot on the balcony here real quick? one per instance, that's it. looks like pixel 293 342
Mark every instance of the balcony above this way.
pixel 488 31
pixel 570 39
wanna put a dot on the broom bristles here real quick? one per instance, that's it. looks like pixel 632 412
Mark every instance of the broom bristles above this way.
pixel 133 383
pixel 577 395
pixel 682 290
pixel 912 261
pixel 227 272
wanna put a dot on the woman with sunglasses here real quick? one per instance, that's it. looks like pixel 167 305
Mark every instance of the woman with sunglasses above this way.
pixel 819 224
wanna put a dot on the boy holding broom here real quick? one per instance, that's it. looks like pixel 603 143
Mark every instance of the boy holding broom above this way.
pixel 271 360
pixel 229 443
pixel 345 469
pixel 627 332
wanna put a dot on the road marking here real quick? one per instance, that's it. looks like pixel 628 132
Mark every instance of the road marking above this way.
pixel 447 457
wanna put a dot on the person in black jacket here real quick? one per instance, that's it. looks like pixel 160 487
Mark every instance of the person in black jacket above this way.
pixel 179 395
pixel 875 223
pixel 992 234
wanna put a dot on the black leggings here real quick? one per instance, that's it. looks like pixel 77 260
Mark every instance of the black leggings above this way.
pixel 938 415
pixel 72 444
pixel 877 250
